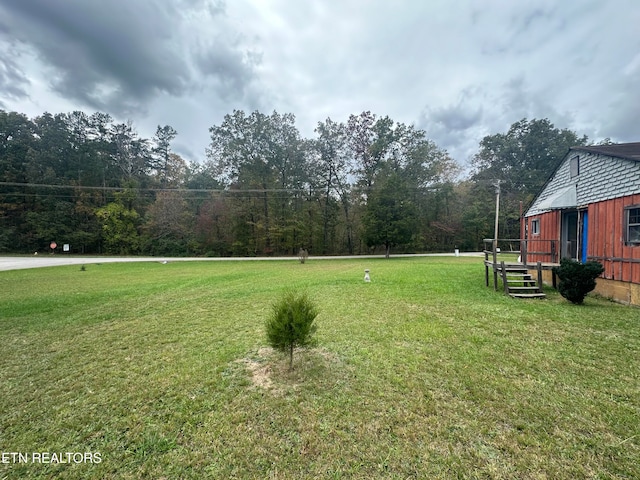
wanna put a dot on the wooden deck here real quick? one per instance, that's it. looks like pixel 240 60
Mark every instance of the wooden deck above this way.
pixel 517 275
pixel 519 279
pixel 528 266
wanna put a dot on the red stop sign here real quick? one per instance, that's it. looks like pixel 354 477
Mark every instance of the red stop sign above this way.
pixel 53 245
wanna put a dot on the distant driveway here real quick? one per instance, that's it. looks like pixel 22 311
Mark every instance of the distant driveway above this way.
pixel 45 260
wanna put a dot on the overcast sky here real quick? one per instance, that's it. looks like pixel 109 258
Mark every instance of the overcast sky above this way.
pixel 459 69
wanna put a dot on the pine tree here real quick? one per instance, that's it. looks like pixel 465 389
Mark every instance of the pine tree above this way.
pixel 291 323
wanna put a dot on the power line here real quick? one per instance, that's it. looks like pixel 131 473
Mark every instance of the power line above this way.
pixel 178 190
pixel 240 191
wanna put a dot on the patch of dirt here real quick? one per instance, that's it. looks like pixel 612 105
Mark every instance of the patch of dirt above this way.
pixel 269 369
pixel 259 368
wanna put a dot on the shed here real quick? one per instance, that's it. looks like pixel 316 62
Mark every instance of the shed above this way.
pixel 590 209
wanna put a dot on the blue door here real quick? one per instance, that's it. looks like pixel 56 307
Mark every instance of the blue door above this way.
pixel 583 243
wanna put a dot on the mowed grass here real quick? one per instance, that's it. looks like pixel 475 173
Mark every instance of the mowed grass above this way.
pixel 422 373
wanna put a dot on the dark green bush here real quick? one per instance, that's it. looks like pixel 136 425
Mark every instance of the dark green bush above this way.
pixel 577 279
pixel 290 324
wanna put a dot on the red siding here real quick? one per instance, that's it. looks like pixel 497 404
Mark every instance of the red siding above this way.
pixel 606 239
pixel 549 230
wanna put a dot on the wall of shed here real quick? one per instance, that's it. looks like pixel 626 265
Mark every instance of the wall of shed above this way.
pixel 606 243
pixel 623 292
pixel 539 243
pixel 606 185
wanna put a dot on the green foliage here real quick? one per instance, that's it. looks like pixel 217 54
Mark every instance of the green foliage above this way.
pixel 577 279
pixel 291 323
pixel 390 218
pixel 169 224
pixel 274 190
pixel 265 153
pixel 522 160
pixel 119 228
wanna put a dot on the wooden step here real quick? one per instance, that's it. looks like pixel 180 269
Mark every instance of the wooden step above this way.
pixel 518 282
pixel 527 295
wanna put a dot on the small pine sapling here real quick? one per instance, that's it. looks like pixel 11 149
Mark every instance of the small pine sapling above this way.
pixel 577 279
pixel 291 323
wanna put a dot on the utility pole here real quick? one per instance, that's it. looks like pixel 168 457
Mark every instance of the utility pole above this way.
pixel 495 234
pixel 495 237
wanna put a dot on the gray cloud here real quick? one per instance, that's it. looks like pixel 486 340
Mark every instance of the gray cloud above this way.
pixel 457 117
pixel 621 112
pixel 116 55
pixel 13 82
pixel 457 70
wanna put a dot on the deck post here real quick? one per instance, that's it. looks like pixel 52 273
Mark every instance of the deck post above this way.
pixel 539 268
pixel 523 251
pixel 486 267
pixel 505 284
pixel 495 264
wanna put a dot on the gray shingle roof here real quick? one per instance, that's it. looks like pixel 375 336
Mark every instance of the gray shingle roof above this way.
pixel 606 172
pixel 630 151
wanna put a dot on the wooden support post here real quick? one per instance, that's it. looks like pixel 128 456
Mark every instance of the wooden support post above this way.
pixel 539 268
pixel 505 284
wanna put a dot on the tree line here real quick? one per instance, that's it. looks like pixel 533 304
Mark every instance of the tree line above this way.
pixel 363 184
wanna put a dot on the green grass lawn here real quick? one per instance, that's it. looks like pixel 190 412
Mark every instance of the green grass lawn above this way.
pixel 423 373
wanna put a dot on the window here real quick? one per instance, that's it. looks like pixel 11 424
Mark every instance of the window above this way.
pixel 632 222
pixel 574 166
pixel 535 226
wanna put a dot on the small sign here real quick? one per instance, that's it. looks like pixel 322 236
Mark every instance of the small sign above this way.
pixel 65 247
pixel 53 245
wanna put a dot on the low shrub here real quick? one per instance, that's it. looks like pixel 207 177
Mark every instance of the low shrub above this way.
pixel 577 279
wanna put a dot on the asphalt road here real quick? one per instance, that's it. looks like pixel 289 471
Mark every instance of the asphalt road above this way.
pixel 47 260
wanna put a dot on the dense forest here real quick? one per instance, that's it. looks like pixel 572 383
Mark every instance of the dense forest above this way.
pixel 365 184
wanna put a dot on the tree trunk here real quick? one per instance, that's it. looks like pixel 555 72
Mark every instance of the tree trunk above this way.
pixel 267 226
pixel 325 229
